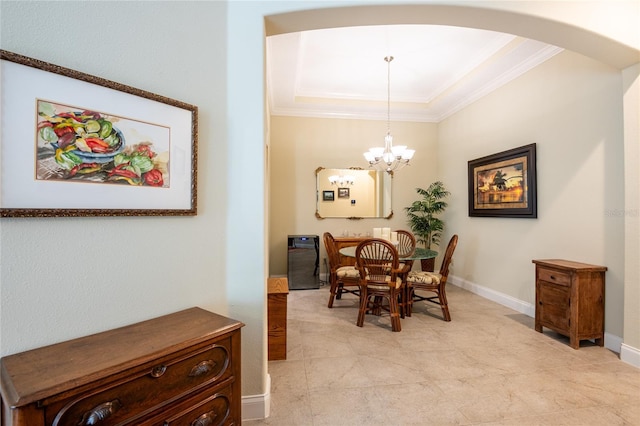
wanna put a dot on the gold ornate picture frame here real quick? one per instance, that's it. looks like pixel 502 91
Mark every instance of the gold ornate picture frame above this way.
pixel 73 144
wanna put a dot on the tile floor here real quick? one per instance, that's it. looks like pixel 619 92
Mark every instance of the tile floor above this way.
pixel 487 366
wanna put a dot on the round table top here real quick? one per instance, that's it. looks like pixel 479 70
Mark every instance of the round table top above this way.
pixel 421 253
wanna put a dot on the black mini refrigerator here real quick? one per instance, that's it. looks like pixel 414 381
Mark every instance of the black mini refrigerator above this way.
pixel 303 260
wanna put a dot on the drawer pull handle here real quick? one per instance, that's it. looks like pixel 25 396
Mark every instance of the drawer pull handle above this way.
pixel 202 368
pixel 204 420
pixel 100 413
pixel 158 371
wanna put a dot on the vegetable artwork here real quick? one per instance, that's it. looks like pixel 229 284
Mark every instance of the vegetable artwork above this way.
pixel 87 145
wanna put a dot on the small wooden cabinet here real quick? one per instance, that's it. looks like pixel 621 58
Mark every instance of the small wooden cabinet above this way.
pixel 277 291
pixel 179 369
pixel 570 299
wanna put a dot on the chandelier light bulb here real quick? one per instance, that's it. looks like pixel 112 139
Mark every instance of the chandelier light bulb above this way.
pixel 341 180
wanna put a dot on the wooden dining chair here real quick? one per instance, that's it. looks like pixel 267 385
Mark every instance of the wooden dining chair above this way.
pixel 378 264
pixel 430 282
pixel 342 278
pixel 406 243
pixel 406 248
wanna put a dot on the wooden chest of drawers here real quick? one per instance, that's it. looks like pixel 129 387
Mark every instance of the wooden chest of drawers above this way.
pixel 179 369
pixel 570 299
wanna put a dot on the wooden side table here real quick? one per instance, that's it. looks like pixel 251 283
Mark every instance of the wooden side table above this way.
pixel 277 291
pixel 570 299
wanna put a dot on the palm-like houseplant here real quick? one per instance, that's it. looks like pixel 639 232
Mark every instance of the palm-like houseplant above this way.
pixel 424 223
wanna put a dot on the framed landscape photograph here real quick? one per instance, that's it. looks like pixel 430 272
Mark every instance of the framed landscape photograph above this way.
pixel 504 184
pixel 328 195
pixel 343 192
pixel 79 145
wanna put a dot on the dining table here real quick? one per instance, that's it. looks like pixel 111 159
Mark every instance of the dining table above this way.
pixel 419 254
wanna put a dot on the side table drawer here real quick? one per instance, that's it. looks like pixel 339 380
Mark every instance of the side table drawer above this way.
pixel 214 410
pixel 554 276
pixel 169 378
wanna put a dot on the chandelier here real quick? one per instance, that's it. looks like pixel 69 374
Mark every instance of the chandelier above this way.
pixel 341 180
pixel 389 157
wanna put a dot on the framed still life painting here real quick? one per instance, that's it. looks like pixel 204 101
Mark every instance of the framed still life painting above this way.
pixel 79 145
pixel 504 184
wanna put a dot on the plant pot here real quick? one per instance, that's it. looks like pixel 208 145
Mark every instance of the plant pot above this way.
pixel 428 264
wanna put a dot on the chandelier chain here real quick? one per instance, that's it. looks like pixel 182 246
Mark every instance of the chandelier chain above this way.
pixel 389 157
pixel 388 59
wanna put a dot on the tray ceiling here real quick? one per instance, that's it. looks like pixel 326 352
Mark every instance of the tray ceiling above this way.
pixel 436 71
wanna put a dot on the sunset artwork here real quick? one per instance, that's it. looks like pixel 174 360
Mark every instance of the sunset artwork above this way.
pixel 81 145
pixel 504 184
pixel 501 185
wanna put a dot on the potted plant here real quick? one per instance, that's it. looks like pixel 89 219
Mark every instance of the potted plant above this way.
pixel 424 224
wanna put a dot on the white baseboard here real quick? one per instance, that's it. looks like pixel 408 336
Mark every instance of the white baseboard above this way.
pixel 495 296
pixel 255 407
pixel 630 355
pixel 611 341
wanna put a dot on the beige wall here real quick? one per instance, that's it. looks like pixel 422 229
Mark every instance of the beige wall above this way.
pixel 298 146
pixel 570 107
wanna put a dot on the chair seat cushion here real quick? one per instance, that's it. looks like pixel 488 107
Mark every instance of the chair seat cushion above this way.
pixel 347 272
pixel 386 287
pixel 423 277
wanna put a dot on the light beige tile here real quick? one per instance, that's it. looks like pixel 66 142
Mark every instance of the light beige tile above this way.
pixel 335 373
pixel 348 407
pixel 487 366
pixel 290 409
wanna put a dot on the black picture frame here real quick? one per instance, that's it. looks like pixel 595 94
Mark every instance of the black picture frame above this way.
pixel 328 195
pixel 343 192
pixel 504 184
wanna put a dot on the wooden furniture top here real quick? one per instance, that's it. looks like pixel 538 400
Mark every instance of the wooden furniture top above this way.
pixel 57 368
pixel 569 265
pixel 277 285
pixel 342 241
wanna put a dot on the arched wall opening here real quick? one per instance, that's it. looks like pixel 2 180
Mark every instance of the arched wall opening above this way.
pixel 560 31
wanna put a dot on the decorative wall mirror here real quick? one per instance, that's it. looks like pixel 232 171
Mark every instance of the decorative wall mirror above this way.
pixel 353 193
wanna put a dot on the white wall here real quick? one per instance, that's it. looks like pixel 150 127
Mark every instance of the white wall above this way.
pixel 570 107
pixel 66 277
